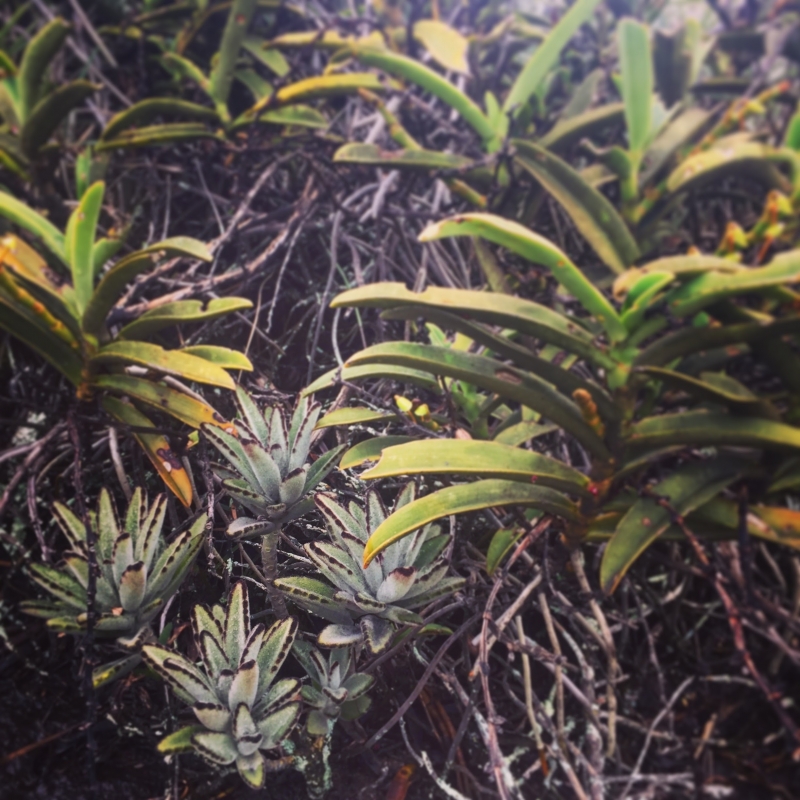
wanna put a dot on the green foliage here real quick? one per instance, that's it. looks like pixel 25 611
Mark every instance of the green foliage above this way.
pixel 365 602
pixel 243 712
pixel 65 321
pixel 138 573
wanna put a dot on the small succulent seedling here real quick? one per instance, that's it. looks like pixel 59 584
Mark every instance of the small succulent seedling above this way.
pixel 271 475
pixel 363 603
pixel 138 573
pixel 336 688
pixel 241 712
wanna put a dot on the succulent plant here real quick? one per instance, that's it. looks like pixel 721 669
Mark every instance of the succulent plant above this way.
pixel 271 475
pixel 336 688
pixel 138 572
pixel 241 712
pixel 364 603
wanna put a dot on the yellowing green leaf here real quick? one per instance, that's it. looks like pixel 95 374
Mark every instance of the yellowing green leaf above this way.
pixel 445 44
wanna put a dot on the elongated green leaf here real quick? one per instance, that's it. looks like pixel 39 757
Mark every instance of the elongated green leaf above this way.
pixel 547 54
pixel 270 57
pixel 327 86
pixel 681 131
pixel 476 458
pixel 537 249
pixel 30 330
pixel 688 487
pixel 81 242
pixel 710 429
pixel 184 68
pixel 501 544
pixel 570 131
pixel 686 266
pixel 434 83
pixel 783 270
pixel 475 496
pixel 182 312
pixel 495 309
pixel 564 380
pixel 24 216
pixel 156 446
pixel 401 374
pixel 592 213
pixel 126 269
pixel 445 44
pixel 37 57
pixel 223 357
pixel 157 135
pixel 731 156
pixel 169 362
pixel 522 432
pixel 354 416
pixel 48 113
pixel 301 115
pixel 146 111
pixel 170 401
pixel 374 156
pixel 370 450
pixel 636 65
pixel 715 388
pixel 233 36
pixel 486 373
pixel 180 741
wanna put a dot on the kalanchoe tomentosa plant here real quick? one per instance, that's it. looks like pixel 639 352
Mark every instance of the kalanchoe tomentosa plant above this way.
pixel 240 711
pixel 138 573
pixel 271 476
pixel 336 688
pixel 364 603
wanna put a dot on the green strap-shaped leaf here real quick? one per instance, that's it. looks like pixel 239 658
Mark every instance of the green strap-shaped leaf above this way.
pixel 688 487
pixel 168 362
pixel 684 267
pixel 476 458
pixel 374 156
pixel 475 496
pixel 445 44
pixel 22 325
pixel 181 312
pixel 270 57
pixel 570 131
pixel 364 372
pixel 354 416
pixel 636 65
pixel 434 83
pixel 49 113
pixel 126 269
pixel 177 404
pixel 537 249
pixel 157 135
pixel 679 133
pixel 156 446
pixel 487 373
pixel 494 309
pixel 24 216
pixel 370 450
pixel 709 429
pixel 564 380
pixel 300 115
pixel 783 270
pixel 594 216
pixel 233 36
pixel 146 111
pixel 223 357
pixel 35 60
pixel 547 54
pixel 187 69
pixel 80 244
pixel 327 86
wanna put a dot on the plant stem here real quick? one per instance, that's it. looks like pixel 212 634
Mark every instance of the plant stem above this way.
pixel 269 562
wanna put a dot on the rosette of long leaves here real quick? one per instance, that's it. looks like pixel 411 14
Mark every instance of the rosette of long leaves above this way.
pixel 242 712
pixel 364 604
pixel 271 475
pixel 138 572
pixel 336 688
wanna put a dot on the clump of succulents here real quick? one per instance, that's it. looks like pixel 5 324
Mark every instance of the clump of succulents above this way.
pixel 336 689
pixel 271 475
pixel 242 713
pixel 365 604
pixel 138 572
